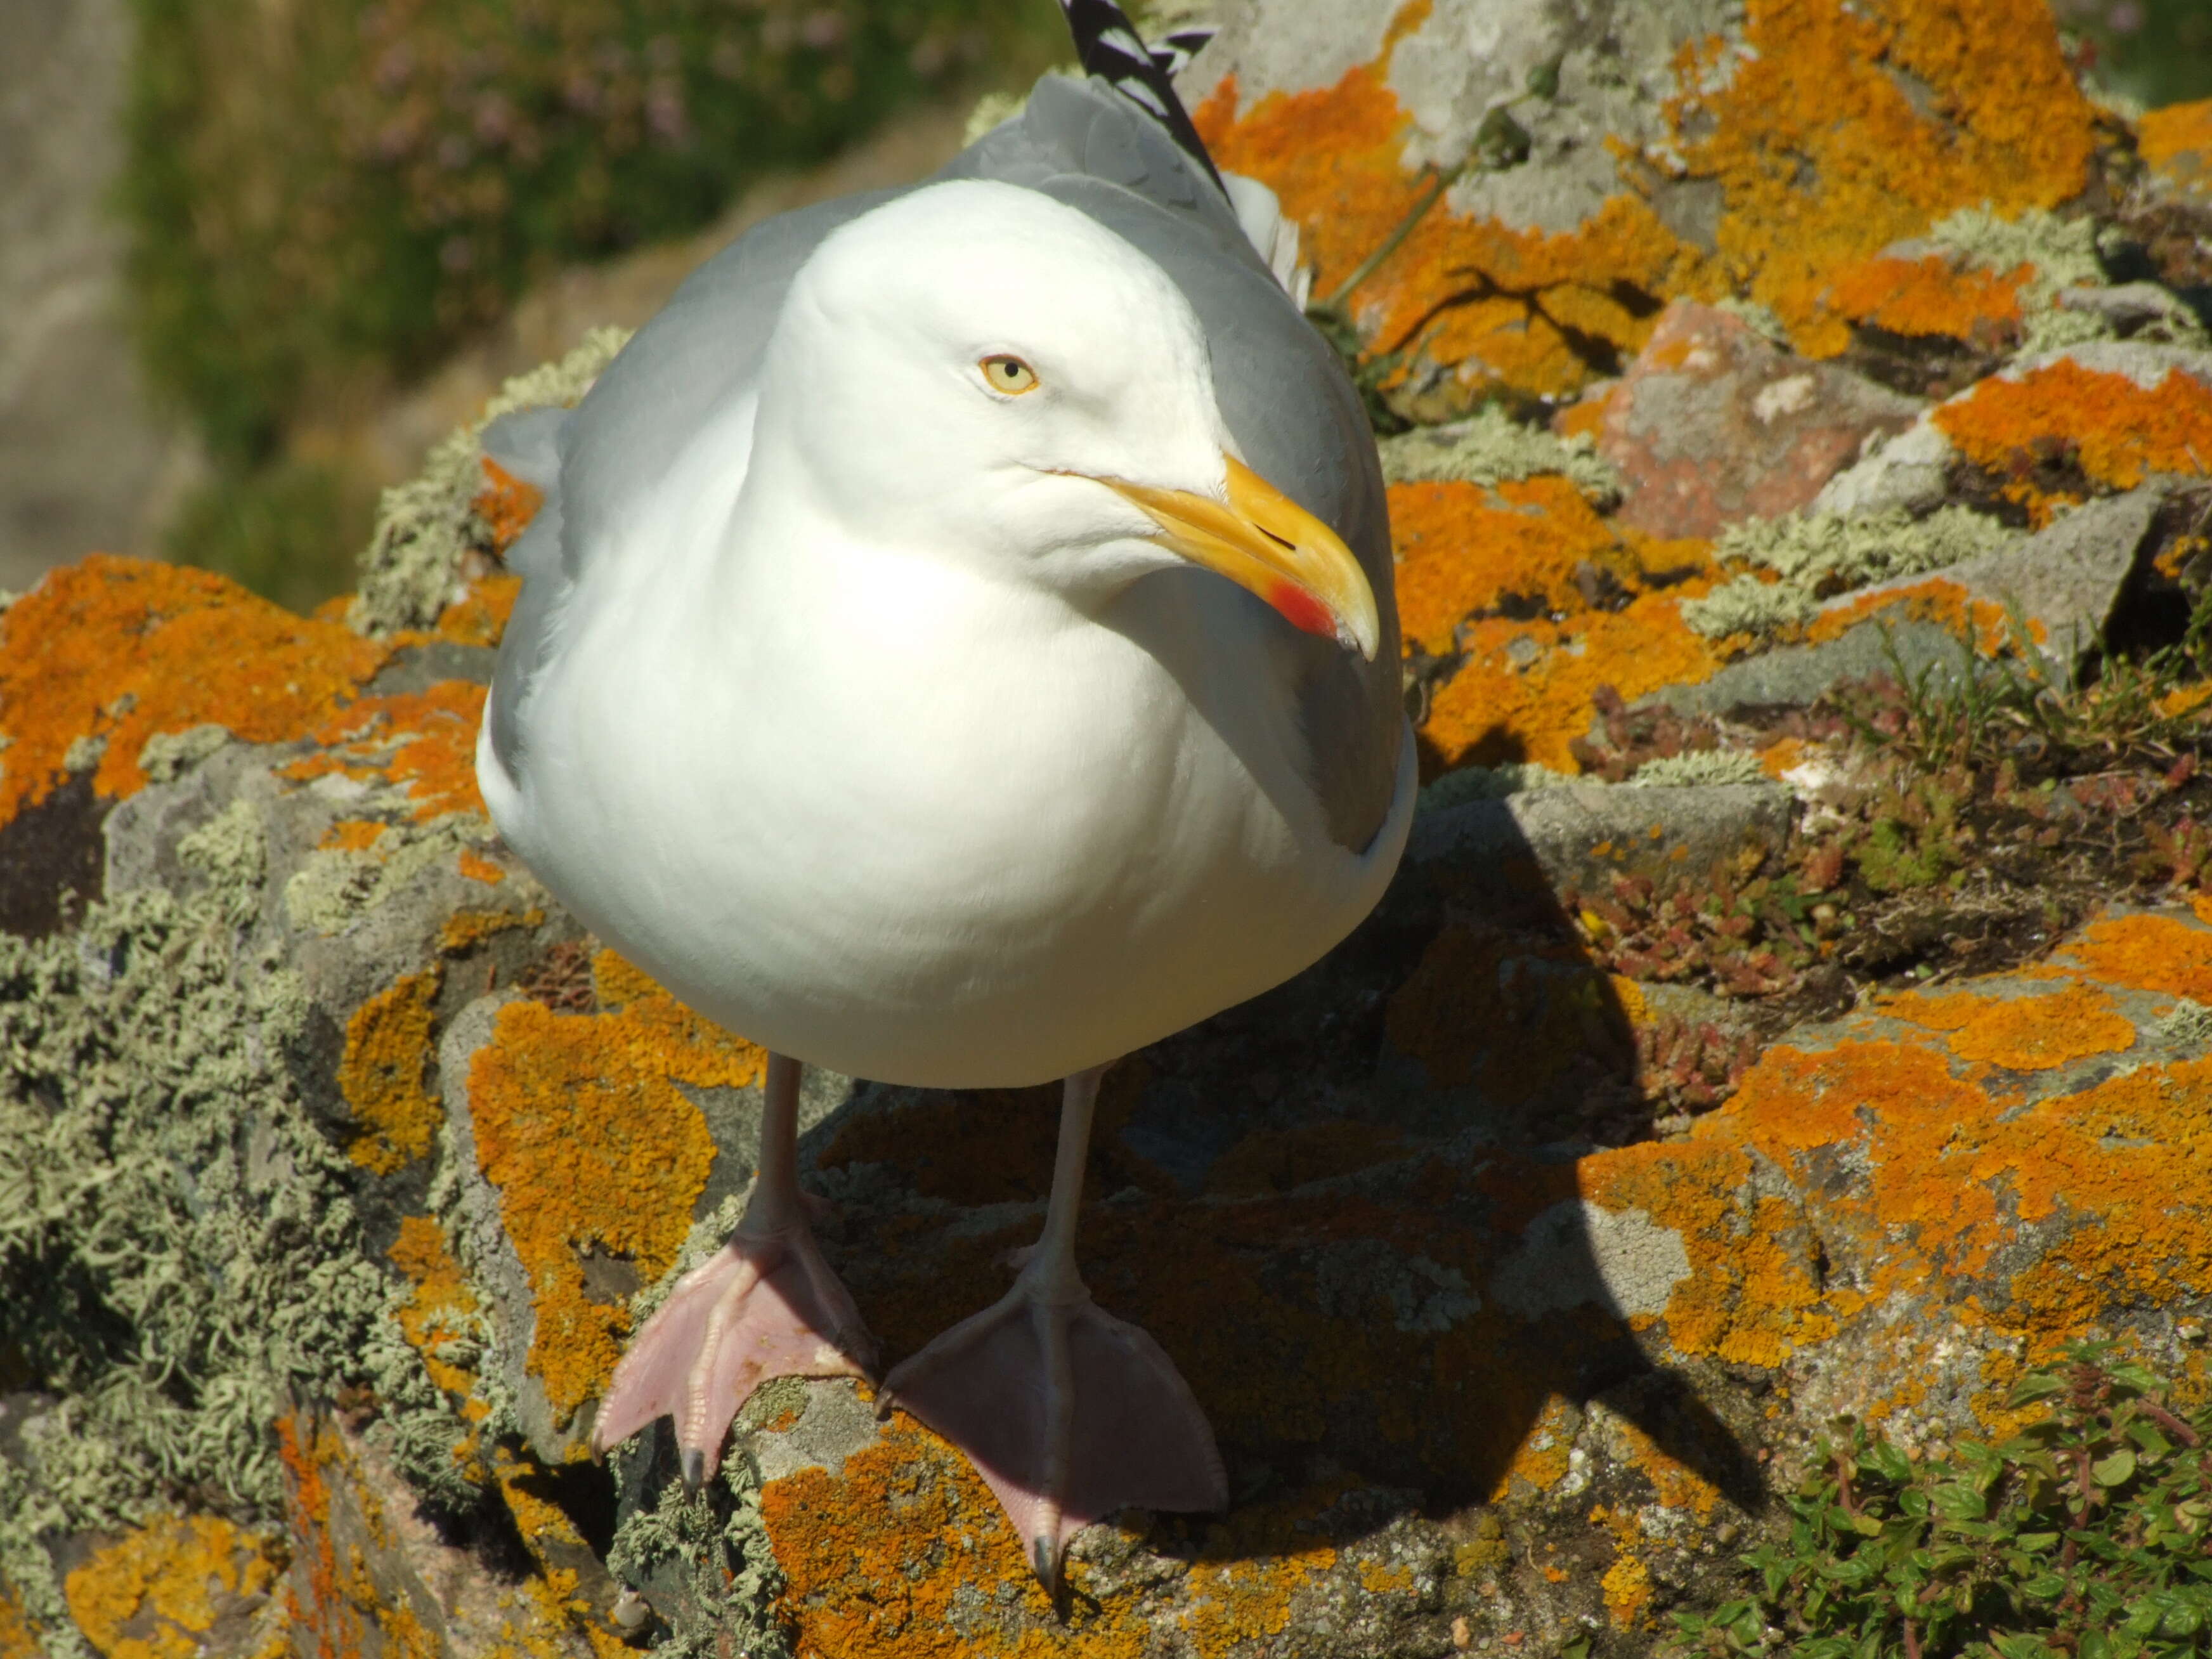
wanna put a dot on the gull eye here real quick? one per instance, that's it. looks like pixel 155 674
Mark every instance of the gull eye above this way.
pixel 1008 374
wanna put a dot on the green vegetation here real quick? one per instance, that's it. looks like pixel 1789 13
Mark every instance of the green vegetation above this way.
pixel 2022 709
pixel 326 198
pixel 2083 1537
pixel 2157 50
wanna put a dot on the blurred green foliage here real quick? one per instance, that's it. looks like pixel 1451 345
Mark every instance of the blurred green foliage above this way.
pixel 2157 51
pixel 331 194
pixel 286 529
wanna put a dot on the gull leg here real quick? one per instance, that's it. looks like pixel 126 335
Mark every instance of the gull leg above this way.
pixel 1067 1413
pixel 765 1305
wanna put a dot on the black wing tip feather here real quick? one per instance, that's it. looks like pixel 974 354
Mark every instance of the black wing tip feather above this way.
pixel 1108 46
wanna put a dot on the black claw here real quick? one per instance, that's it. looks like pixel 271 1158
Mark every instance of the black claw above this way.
pixel 1044 1560
pixel 694 1469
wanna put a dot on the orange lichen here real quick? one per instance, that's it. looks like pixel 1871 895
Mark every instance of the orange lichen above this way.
pixel 476 867
pixel 1540 1461
pixel 2115 430
pixel 17 1640
pixel 1627 1586
pixel 2024 1034
pixel 387 1055
pixel 845 1542
pixel 1931 296
pixel 1946 1175
pixel 157 1591
pixel 479 616
pixel 465 930
pixel 1504 305
pixel 123 649
pixel 441 1306
pixel 2149 953
pixel 1464 548
pixel 424 742
pixel 351 836
pixel 506 504
pixel 2176 143
pixel 1812 128
pixel 1494 710
pixel 593 1147
pixel 1936 599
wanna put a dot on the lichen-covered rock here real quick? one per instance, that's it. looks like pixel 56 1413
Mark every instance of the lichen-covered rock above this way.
pixel 1712 424
pixel 1519 1250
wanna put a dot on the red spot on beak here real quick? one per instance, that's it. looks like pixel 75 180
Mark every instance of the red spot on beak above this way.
pixel 1301 610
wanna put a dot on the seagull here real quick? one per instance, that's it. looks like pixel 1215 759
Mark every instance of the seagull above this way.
pixel 957 648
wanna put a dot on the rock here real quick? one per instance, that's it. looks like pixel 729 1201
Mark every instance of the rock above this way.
pixel 1612 158
pixel 1582 834
pixel 1712 424
pixel 1520 1251
pixel 1909 472
pixel 2062 583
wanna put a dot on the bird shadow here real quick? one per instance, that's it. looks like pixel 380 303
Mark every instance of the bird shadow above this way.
pixel 1353 1211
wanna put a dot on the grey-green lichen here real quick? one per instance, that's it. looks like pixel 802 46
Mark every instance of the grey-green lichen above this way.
pixel 2187 1024
pixel 1699 768
pixel 2062 254
pixel 1491 448
pixel 179 1254
pixel 707 1554
pixel 336 886
pixel 425 525
pixel 1817 555
pixel 167 755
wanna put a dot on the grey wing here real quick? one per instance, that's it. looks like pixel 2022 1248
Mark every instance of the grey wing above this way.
pixel 1285 396
pixel 616 445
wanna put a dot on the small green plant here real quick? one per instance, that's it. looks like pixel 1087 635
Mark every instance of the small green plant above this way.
pixel 2083 1537
pixel 2021 706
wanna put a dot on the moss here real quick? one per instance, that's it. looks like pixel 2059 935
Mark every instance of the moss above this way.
pixel 1818 555
pixel 2187 1024
pixel 408 571
pixel 167 755
pixel 714 1545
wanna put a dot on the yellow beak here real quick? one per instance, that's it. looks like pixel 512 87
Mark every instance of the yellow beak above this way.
pixel 1264 541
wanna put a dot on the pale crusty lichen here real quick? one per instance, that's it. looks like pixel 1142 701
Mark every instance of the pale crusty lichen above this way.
pixel 1699 768
pixel 1816 554
pixel 424 525
pixel 1490 448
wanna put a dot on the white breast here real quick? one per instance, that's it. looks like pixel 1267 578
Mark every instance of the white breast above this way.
pixel 891 819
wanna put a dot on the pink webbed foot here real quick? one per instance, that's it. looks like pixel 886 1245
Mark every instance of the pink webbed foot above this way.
pixel 1067 1413
pixel 764 1305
